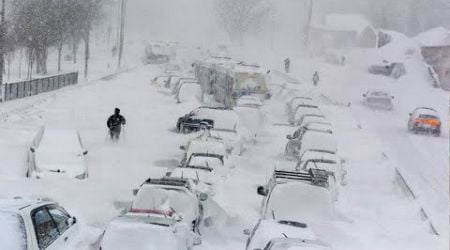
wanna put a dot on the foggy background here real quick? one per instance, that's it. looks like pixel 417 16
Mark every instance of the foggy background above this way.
pixel 278 22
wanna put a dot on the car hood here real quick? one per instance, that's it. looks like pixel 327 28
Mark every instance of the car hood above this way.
pixel 141 236
pixel 68 163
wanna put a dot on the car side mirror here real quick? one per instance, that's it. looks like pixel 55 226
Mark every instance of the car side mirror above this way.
pixel 289 137
pixel 262 191
pixel 85 152
pixel 203 196
pixel 182 147
pixel 32 149
pixel 393 97
pixel 246 232
pixel 71 221
pixel 135 191
pixel 364 95
pixel 168 174
pixel 410 114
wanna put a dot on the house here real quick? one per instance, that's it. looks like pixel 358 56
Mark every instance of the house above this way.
pixel 342 31
pixel 435 48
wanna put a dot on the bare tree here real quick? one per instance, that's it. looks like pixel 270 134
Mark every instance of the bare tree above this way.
pixel 241 17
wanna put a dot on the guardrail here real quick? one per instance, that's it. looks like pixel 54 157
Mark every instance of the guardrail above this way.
pixel 17 90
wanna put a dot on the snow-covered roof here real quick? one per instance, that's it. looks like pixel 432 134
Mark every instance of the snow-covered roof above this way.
pixel 15 204
pixel 434 37
pixel 346 22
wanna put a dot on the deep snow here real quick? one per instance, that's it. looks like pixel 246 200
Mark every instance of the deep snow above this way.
pixel 373 211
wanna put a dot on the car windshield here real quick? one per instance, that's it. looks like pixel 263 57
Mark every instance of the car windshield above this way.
pixel 311 203
pixel 378 93
pixel 378 100
pixel 12 232
pixel 205 161
pixel 163 198
pixel 427 116
pixel 60 141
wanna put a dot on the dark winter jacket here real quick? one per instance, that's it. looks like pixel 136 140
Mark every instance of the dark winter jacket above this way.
pixel 115 121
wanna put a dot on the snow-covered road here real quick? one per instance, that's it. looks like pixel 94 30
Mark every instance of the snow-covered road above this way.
pixel 373 212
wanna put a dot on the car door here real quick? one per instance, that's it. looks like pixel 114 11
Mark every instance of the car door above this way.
pixel 66 226
pixel 44 227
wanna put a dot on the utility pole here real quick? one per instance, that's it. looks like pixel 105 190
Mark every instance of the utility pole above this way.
pixel 308 25
pixel 122 30
pixel 2 48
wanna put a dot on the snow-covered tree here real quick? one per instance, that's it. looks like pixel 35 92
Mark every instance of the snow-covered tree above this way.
pixel 241 17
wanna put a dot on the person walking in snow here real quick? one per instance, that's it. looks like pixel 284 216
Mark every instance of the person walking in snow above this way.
pixel 114 124
pixel 287 64
pixel 316 78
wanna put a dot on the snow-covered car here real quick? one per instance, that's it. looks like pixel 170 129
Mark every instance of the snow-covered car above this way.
pixel 204 145
pixel 251 120
pixel 173 69
pixel 35 225
pixel 295 141
pixel 161 81
pixel 203 177
pixel 156 53
pixel 292 103
pixel 394 70
pixel 170 195
pixel 312 118
pixel 295 244
pixel 322 159
pixel 249 101
pixel 424 119
pixel 302 196
pixel 203 169
pixel 378 99
pixel 176 87
pixel 317 140
pixel 188 91
pixel 269 230
pixel 232 139
pixel 144 232
pixel 57 152
pixel 302 111
pixel 217 117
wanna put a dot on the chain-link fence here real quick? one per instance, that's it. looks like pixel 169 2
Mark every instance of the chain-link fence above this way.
pixel 36 86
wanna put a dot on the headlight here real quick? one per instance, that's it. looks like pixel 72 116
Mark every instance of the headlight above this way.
pixel 81 176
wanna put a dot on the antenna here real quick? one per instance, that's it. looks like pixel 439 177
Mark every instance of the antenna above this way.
pixel 285 236
pixel 196 173
pixel 273 215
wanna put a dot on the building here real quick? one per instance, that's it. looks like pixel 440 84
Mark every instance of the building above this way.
pixel 435 48
pixel 342 31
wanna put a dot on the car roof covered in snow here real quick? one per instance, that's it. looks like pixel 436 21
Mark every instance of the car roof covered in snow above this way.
pixel 425 110
pixel 435 37
pixel 319 126
pixel 318 154
pixel 269 229
pixel 14 205
pixel 208 146
pixel 318 140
